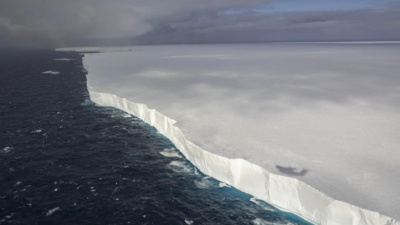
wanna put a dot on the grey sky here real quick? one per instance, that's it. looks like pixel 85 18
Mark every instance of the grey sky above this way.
pixel 56 23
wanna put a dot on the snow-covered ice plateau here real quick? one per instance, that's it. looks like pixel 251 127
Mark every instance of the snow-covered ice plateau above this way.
pixel 290 124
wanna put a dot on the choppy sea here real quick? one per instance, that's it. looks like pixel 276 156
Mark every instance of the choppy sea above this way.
pixel 65 160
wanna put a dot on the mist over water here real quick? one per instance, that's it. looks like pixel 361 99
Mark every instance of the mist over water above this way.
pixel 64 160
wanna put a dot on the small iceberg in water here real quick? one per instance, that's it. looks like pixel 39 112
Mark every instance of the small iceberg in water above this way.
pixel 51 72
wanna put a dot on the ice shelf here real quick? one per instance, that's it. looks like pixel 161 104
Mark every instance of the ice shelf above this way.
pixel 285 193
pixel 281 107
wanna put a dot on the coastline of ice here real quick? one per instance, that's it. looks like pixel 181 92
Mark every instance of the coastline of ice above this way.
pixel 285 193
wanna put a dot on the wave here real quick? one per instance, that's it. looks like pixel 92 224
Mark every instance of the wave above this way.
pixel 170 153
pixel 259 221
pixel 206 183
pixel 180 167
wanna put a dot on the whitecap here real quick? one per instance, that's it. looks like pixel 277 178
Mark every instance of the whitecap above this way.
pixel 86 102
pixel 263 205
pixel 188 221
pixel 222 184
pixel 36 131
pixel 259 221
pixel 180 167
pixel 51 211
pixel 7 149
pixel 170 153
pixel 9 216
pixel 196 172
pixel 205 183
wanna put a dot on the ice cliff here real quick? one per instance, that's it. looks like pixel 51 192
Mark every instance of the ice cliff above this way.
pixel 287 194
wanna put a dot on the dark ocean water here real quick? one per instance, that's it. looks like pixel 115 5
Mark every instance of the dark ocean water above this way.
pixel 64 160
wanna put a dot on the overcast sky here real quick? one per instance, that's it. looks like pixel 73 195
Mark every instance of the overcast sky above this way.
pixel 60 23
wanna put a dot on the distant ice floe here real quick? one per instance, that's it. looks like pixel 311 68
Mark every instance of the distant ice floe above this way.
pixel 64 59
pixel 51 72
pixel 51 211
pixel 7 149
pixel 170 152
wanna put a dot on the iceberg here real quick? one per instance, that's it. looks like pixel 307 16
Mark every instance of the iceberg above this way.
pixel 308 128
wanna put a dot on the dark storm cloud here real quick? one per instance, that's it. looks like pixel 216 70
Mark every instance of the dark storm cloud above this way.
pixel 362 24
pixel 89 22
pixel 43 21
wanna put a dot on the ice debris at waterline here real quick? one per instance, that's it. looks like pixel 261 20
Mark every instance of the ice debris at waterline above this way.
pixel 315 117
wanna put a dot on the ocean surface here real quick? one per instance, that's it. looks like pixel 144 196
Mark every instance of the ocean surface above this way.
pixel 64 160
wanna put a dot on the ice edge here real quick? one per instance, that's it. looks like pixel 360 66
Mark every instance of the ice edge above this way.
pixel 285 193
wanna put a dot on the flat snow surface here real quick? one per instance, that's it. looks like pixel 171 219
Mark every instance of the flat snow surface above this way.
pixel 327 114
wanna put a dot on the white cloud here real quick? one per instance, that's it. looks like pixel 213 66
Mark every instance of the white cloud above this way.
pixel 157 74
